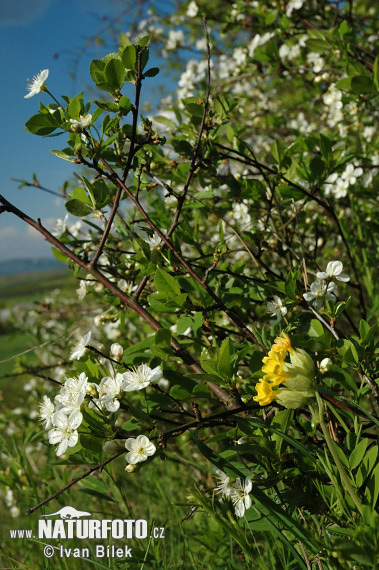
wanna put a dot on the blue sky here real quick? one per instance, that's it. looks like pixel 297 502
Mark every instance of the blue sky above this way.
pixel 36 35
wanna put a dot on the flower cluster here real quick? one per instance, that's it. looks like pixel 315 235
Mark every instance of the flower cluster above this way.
pixel 297 375
pixel 238 491
pixel 64 416
pixel 324 289
pixel 338 185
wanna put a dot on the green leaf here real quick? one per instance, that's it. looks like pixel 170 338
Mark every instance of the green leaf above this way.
pixel 344 83
pixel 78 208
pixel 41 124
pixel 223 106
pixel 348 351
pixel 180 393
pixel 358 453
pixel 317 166
pixel 163 337
pixel 61 154
pixel 375 72
pixel 317 45
pixel 124 40
pixel 366 466
pixel 75 106
pixel 59 255
pixel 90 443
pixel 224 359
pixel 372 489
pixel 115 74
pixel 277 152
pixel 144 40
pixel 96 70
pixel 79 193
pixel 362 84
pixel 290 286
pixel 128 57
pixel 193 106
pixel 166 284
pixel 326 146
pixel 366 332
pixel 95 420
pixel 152 72
pixel 183 324
pixel 316 328
pixel 125 104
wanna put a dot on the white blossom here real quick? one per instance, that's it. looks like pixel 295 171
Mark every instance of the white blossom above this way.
pixel 140 448
pixel 240 496
pixel 79 348
pixel 60 227
pixel 333 271
pixel 109 391
pixel 333 97
pixel 351 174
pixel 293 5
pixel 37 84
pixel 320 291
pixel 83 122
pixel 276 308
pixel 289 51
pixel 65 431
pixel 82 289
pixel 259 40
pixel 127 286
pixel 140 377
pixel 174 39
pixel 316 61
pixel 192 9
pixel 224 486
pixel 46 412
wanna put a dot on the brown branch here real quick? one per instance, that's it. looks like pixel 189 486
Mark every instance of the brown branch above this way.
pixel 199 422
pixel 187 358
pixel 128 164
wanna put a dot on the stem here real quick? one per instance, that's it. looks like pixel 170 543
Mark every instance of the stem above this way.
pixel 337 461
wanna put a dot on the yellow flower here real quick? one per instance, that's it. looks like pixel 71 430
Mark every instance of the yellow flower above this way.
pixel 282 343
pixel 265 393
pixel 273 367
pixel 298 376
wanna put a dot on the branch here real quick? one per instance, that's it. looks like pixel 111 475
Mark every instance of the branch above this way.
pixel 224 396
pixel 200 422
pixel 127 167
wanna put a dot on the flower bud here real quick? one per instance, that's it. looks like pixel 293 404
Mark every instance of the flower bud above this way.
pixel 113 446
pixel 324 364
pixel 116 351
pixel 91 389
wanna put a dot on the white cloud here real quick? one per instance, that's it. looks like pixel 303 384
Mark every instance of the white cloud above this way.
pixel 21 243
pixel 21 12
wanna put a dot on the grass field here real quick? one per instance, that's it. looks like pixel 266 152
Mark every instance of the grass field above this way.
pixel 28 289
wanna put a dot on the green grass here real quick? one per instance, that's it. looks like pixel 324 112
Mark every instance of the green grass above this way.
pixel 16 290
pixel 30 287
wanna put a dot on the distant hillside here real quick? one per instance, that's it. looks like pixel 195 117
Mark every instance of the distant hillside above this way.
pixel 18 266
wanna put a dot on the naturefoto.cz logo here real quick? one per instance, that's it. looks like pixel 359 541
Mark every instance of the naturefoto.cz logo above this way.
pixel 76 524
